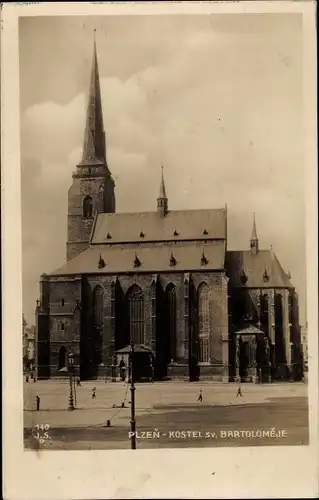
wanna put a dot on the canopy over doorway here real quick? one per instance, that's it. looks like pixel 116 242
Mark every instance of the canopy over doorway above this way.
pixel 143 361
pixel 252 354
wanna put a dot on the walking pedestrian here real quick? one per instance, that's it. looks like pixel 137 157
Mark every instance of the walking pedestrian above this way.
pixel 78 382
pixel 200 397
pixel 94 393
pixel 27 378
pixel 37 400
pixel 239 393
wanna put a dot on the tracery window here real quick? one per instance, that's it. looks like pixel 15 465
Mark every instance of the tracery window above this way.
pixel 203 323
pixel 136 311
pixel 279 334
pixel 171 318
pixel 98 322
pixel 264 312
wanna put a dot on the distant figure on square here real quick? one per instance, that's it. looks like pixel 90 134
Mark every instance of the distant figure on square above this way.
pixel 94 393
pixel 239 393
pixel 37 400
pixel 27 378
pixel 78 382
pixel 200 397
pixel 122 369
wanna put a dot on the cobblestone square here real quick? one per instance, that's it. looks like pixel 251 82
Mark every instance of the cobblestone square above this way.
pixel 167 415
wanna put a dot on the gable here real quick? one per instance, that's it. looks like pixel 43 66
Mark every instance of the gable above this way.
pixel 254 267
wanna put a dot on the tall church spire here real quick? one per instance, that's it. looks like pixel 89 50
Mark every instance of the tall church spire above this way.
pixel 162 201
pixel 254 242
pixel 94 136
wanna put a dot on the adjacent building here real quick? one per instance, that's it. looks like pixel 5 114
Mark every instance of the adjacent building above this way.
pixel 164 280
pixel 28 343
pixel 304 344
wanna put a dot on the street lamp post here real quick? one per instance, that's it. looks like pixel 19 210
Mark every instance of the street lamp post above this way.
pixel 71 364
pixel 132 388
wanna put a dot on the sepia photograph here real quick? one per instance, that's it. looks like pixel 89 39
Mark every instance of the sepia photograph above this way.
pixel 164 222
pixel 163 235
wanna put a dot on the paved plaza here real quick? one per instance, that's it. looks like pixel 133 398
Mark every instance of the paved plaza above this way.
pixel 167 415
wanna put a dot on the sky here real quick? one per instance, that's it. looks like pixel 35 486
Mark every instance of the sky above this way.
pixel 217 99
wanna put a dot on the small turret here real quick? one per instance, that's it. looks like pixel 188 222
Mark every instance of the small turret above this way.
pixel 162 201
pixel 254 243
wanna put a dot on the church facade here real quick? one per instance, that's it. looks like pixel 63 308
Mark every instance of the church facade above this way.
pixel 164 281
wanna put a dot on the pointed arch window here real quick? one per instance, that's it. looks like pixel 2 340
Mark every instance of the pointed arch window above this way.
pixel 290 308
pixel 186 316
pixel 87 207
pixel 153 316
pixel 279 332
pixel 135 298
pixel 98 322
pixel 264 307
pixel 203 323
pixel 171 318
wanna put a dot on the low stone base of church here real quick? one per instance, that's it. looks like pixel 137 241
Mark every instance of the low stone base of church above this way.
pixel 211 372
pixel 178 372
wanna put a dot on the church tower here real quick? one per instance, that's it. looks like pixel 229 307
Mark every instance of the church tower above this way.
pixel 254 243
pixel 92 189
pixel 162 201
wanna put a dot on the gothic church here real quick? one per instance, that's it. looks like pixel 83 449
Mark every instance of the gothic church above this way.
pixel 164 280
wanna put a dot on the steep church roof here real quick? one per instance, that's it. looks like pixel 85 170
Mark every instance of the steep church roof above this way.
pixel 256 270
pixel 94 135
pixel 147 258
pixel 177 225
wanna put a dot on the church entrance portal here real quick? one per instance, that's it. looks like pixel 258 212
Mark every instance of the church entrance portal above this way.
pixel 252 358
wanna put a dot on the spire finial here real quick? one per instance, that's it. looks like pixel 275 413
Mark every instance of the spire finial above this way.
pixel 162 201
pixel 94 137
pixel 254 239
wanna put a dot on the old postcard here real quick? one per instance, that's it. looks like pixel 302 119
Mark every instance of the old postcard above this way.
pixel 160 250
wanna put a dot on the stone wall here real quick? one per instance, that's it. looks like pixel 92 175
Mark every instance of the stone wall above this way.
pixel 69 314
pixel 101 190
pixel 63 319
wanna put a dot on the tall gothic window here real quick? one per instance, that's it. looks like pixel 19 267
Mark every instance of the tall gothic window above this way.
pixel 153 316
pixel 290 307
pixel 186 317
pixel 98 322
pixel 171 318
pixel 203 323
pixel 279 334
pixel 264 312
pixel 87 207
pixel 136 310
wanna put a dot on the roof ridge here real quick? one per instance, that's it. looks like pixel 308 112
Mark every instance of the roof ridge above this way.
pixel 169 211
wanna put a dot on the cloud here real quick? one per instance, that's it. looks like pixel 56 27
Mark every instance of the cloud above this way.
pixel 224 121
